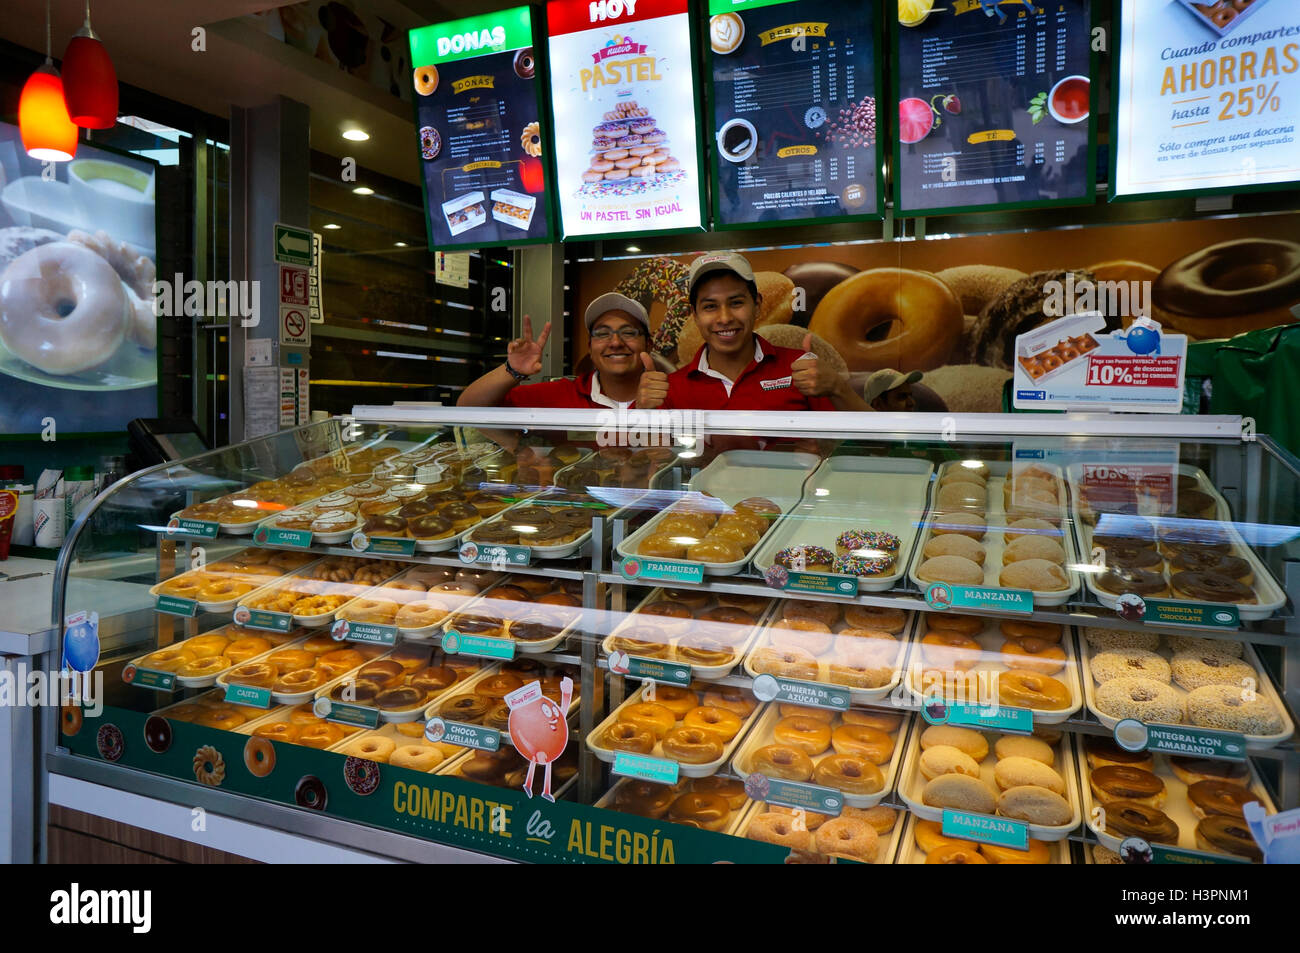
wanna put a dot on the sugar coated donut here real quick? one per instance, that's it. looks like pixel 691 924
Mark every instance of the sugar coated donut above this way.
pixel 848 837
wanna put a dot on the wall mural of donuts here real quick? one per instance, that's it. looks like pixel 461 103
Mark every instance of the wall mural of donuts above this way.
pixel 479 117
pixel 953 308
pixel 78 335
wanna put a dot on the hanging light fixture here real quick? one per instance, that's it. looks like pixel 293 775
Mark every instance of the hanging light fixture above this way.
pixel 47 132
pixel 89 80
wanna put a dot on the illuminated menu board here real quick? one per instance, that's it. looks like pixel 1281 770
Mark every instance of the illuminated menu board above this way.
pixel 478 105
pixel 1208 96
pixel 994 104
pixel 623 97
pixel 794 110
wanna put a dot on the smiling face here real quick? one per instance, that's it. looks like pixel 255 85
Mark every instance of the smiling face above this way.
pixel 614 355
pixel 725 310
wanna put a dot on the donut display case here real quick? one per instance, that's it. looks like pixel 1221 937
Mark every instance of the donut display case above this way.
pixel 602 704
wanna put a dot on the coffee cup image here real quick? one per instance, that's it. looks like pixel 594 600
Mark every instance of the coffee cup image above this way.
pixel 726 31
pixel 737 140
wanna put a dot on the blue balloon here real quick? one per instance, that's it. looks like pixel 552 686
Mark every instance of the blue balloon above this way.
pixel 81 647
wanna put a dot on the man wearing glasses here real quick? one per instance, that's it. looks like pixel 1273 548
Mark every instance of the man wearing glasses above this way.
pixel 619 331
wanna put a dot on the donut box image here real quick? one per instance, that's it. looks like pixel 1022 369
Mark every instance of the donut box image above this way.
pixel 464 213
pixel 1186 680
pixel 1050 349
pixel 812 841
pixel 1222 16
pixel 1190 805
pixel 710 633
pixel 854 754
pixel 1173 543
pixel 1025 780
pixel 513 208
pixel 918 835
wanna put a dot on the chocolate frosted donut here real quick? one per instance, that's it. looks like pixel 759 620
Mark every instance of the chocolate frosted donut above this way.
pixel 1230 287
pixel 1132 557
pixel 1139 581
pixel 525 63
pixel 532 628
pixel 1194 560
pixel 1219 797
pixel 1020 308
pixel 1195 504
pixel 429 527
pixel 1132 819
pixel 1117 530
pixel 1203 536
pixel 1209 587
pixel 496 533
pixel 384 526
pixel 1229 835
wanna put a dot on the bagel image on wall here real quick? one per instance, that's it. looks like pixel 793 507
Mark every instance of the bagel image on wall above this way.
pixel 78 331
pixel 952 309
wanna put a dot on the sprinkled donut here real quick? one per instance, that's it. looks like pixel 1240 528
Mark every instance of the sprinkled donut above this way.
pixel 662 280
pixel 362 776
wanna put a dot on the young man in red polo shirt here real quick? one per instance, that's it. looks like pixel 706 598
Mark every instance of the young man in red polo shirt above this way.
pixel 619 330
pixel 735 369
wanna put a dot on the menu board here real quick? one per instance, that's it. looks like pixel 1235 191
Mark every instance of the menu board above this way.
pixel 994 104
pixel 478 116
pixel 794 109
pixel 623 96
pixel 1208 95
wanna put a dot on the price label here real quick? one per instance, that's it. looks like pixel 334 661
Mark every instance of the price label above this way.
pixel 986 829
pixel 645 768
pixel 480 646
pixel 171 605
pixel 997 717
pixel 262 619
pixel 662 570
pixel 1202 614
pixel 770 688
pixel 382 545
pixel 795 794
pixel 670 673
pixel 1133 735
pixel 819 583
pixel 148 678
pixel 352 715
pixel 368 632
pixel 248 695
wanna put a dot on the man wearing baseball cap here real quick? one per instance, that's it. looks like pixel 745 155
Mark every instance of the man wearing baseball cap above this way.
pixel 619 332
pixel 734 369
pixel 891 391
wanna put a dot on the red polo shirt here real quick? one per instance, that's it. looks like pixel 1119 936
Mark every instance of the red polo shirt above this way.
pixel 764 385
pixel 566 392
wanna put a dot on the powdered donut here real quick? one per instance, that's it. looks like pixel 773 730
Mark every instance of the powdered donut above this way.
pixel 1118 663
pixel 1225 707
pixel 1142 698
pixel 1196 669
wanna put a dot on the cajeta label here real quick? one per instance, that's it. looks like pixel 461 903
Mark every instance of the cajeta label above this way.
pixel 480 646
pixel 771 688
pixel 248 695
pixel 1202 614
pixel 986 829
pixel 369 632
pixel 357 715
pixel 943 595
pixel 643 568
pixel 174 606
pixel 148 678
pixel 794 794
pixel 645 768
pixel 205 529
pixel 273 536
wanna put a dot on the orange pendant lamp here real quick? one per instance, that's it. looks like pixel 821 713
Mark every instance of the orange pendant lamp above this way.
pixel 47 132
pixel 89 80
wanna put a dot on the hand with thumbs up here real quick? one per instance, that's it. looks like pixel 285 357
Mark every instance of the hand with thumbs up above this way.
pixel 653 388
pixel 814 378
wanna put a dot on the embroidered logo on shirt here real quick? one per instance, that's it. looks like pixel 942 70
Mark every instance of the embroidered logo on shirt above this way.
pixel 776 384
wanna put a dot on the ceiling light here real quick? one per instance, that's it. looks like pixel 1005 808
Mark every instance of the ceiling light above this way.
pixel 355 135
pixel 48 133
pixel 633 248
pixel 399 244
pixel 331 226
pixel 89 80
pixel 363 190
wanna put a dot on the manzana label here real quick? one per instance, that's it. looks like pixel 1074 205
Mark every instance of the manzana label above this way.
pixel 794 794
pixel 204 529
pixel 664 570
pixel 1201 614
pixel 771 688
pixel 248 695
pixel 148 678
pixel 644 767
pixel 369 632
pixel 174 606
pixel 480 646
pixel 357 715
pixel 944 595
pixel 986 829
pixel 273 536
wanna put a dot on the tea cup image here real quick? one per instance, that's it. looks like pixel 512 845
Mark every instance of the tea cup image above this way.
pixel 112 192
pixel 737 140
pixel 1069 100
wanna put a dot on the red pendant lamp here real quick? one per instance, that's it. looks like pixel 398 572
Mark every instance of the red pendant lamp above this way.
pixel 48 133
pixel 89 80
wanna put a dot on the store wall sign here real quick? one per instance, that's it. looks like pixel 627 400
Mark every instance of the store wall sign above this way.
pixel 645 768
pixel 1206 98
pixel 943 595
pixel 371 633
pixel 1204 615
pixel 994 105
pixel 203 529
pixel 793 88
pixel 986 829
pixel 770 688
pixel 479 646
pixel 1133 735
pixel 482 133
pixel 172 605
pixel 623 94
pixel 794 794
pixel 662 570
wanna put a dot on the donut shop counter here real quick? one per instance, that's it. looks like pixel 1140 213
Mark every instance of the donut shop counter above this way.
pixel 410 635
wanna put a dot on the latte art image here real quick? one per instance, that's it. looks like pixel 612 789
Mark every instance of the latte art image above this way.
pixel 726 30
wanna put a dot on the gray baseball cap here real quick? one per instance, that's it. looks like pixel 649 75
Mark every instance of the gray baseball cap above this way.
pixel 613 301
pixel 719 261
pixel 888 379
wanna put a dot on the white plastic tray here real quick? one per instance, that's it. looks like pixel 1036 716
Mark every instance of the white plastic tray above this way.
pixel 1176 805
pixel 733 476
pixel 737 816
pixel 707 672
pixel 741 765
pixel 349 589
pixel 511 607
pixel 1263 687
pixel 332 538
pixel 420 711
pixel 1267 591
pixel 857 696
pixel 994 540
pixel 684 770
pixel 888 842
pixel 990 640
pixel 835 501
pixel 1058 851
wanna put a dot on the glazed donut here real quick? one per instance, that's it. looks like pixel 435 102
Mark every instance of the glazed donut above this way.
pixel 1231 287
pixel 426 80
pixel 223 590
pixel 203 667
pixel 225 720
pixel 653 718
pixel 848 837
pixel 280 731
pixel 625 736
pixel 774 828
pixel 890 317
pixel 733 789
pixel 693 745
pixel 792 663
pixel 732 699
pixel 255 675
pixel 788 710
pixel 498 686
pixel 300 680
pixel 63 309
pixel 951 650
pixel 827 613
pixel 810 735
pixel 850 774
pixel 168 660
pixel 876 617
pixel 643 798
pixel 718 721
pixel 958 852
pixel 1044 659
pixel 929 836
pixel 709 812
pixel 416 757
pixel 259 757
pixel 863 742
pixel 782 761
pixel 801 635
pixel 1022 689
pixel 880 720
pixel 677 700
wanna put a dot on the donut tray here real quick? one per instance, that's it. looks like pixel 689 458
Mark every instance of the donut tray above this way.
pixel 1058 851
pixel 256 715
pixel 742 763
pixel 912 783
pixel 512 607
pixel 389 730
pixel 281 714
pixel 833 502
pixel 431 711
pixel 990 664
pixel 706 672
pixel 1176 805
pixel 226 605
pixel 207 681
pixel 857 696
pixel 451 768
pixel 410 714
pixel 1264 687
pixel 559 551
pixel 994 541
pixel 888 842
pixel 332 538
pixel 685 770
pixel 407 596
pixel 734 820
pixel 732 476
pixel 349 589
pixel 1269 595
pixel 296 698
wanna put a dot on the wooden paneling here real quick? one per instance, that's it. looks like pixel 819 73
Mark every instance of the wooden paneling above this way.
pixel 79 838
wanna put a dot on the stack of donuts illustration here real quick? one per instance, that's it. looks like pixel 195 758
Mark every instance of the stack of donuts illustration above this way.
pixel 627 145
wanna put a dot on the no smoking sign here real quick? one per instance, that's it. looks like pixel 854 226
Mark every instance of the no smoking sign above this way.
pixel 295 329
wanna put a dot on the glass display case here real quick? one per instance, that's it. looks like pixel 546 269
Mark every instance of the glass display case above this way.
pixel 691 637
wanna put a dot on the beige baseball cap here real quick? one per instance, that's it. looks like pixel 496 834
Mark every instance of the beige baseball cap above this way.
pixel 719 261
pixel 613 301
pixel 887 379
